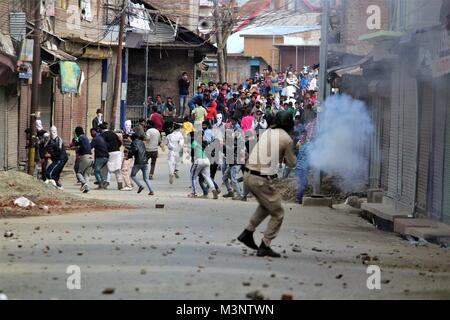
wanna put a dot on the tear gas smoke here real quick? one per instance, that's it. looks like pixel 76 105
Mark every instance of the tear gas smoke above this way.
pixel 342 137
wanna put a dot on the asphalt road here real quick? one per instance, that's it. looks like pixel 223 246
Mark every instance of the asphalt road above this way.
pixel 188 251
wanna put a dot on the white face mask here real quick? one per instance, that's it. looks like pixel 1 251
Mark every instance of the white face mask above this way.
pixel 219 119
pixel 128 126
pixel 53 132
pixel 39 125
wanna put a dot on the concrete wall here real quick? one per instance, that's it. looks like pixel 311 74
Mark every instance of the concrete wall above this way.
pixel 263 47
pixel 165 68
pixel 239 69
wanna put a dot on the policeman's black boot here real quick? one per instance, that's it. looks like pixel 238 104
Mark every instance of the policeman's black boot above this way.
pixel 265 251
pixel 246 238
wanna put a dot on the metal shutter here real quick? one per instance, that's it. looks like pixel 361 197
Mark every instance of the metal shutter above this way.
pixel 12 116
pixel 385 144
pixel 376 112
pixel 409 145
pixel 394 152
pixel 446 198
pixel 402 162
pixel 435 194
pixel 426 121
pixel 2 128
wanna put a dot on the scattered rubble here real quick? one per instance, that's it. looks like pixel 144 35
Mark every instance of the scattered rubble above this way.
pixel 8 234
pixel 255 295
pixel 109 291
pixel 287 296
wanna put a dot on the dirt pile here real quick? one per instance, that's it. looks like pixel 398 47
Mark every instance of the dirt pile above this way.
pixel 287 188
pixel 15 184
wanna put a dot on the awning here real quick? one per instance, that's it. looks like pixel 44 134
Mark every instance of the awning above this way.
pixel 354 69
pixel 59 54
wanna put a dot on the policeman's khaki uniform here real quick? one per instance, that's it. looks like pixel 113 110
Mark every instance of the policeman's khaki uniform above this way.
pixel 274 146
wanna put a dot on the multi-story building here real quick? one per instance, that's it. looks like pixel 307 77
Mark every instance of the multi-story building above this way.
pixel 403 75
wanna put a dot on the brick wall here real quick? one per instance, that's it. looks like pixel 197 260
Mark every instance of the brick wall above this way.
pixel 354 22
pixel 165 68
pixel 79 110
pixel 239 69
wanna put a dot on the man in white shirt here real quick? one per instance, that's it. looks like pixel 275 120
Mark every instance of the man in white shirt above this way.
pixel 175 143
pixel 152 141
pixel 313 84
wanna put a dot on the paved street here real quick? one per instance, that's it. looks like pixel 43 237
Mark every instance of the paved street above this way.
pixel 188 251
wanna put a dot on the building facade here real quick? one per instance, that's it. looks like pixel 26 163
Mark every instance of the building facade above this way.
pixel 404 78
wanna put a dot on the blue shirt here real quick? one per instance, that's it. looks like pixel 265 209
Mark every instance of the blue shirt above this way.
pixel 85 146
pixel 303 158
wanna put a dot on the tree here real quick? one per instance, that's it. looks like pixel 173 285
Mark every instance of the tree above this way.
pixel 225 17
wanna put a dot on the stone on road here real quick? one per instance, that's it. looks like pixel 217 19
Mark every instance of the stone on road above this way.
pixel 188 250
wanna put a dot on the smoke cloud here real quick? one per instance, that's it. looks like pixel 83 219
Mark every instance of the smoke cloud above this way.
pixel 343 136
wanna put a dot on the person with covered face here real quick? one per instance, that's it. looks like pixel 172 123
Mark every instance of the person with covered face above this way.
pixel 58 156
pixel 42 138
pixel 86 161
pixel 291 85
pixel 175 144
pixel 259 122
pixel 274 146
pixel 127 162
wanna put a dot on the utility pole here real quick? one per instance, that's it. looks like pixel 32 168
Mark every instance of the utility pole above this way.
pixel 117 75
pixel 323 94
pixel 323 88
pixel 35 85
pixel 221 42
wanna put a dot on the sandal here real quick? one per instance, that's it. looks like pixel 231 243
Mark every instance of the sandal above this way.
pixel 192 195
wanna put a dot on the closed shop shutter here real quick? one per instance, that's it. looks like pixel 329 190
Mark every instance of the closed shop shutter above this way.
pixel 436 181
pixel 9 117
pixel 2 128
pixel 402 162
pixel 426 122
pixel 409 145
pixel 393 189
pixel 446 200
pixel 385 144
pixel 375 109
pixel 12 115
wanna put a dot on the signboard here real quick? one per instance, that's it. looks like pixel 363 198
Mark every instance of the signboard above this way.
pixel 70 74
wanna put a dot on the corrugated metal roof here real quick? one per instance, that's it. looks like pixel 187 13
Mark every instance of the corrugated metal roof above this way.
pixel 163 33
pixel 277 30
pixel 17 25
